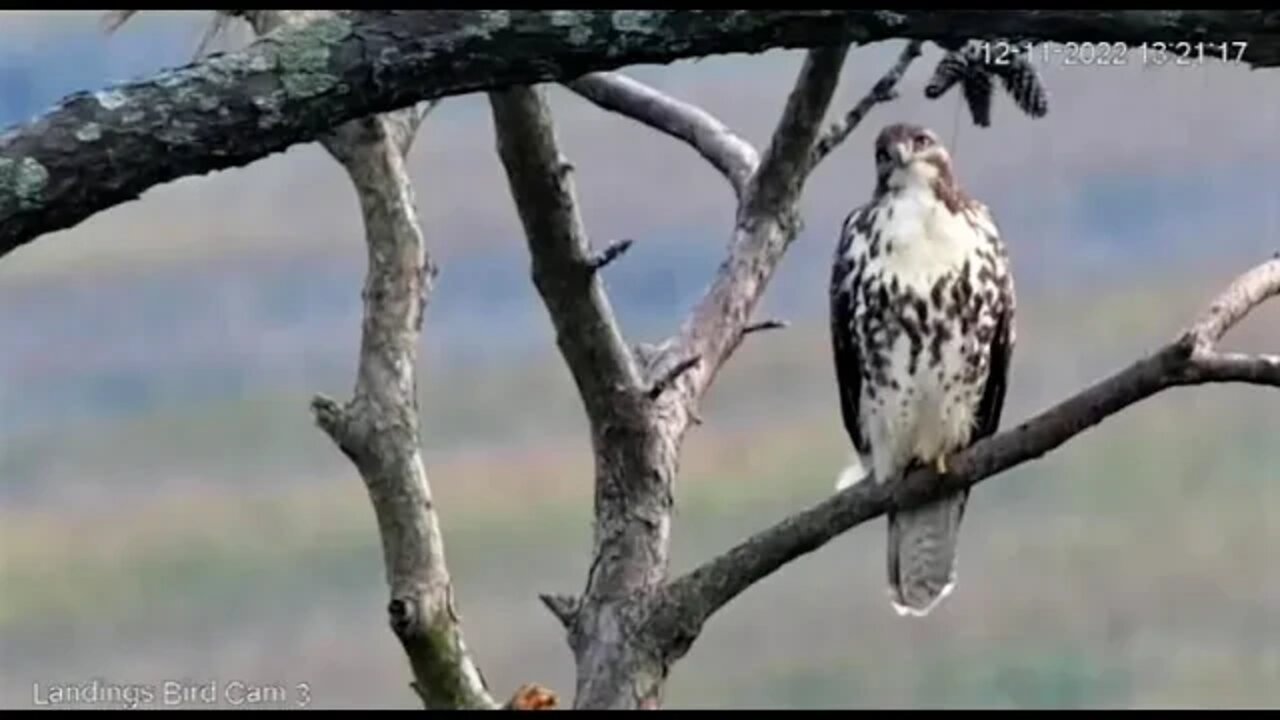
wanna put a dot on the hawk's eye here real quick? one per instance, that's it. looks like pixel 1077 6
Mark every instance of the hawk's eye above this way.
pixel 882 156
pixel 921 142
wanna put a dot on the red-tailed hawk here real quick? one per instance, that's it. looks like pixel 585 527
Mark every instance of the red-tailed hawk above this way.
pixel 922 305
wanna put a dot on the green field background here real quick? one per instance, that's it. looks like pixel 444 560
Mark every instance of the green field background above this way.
pixel 1134 567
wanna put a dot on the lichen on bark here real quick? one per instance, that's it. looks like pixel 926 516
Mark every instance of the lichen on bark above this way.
pixel 24 179
pixel 91 132
pixel 445 687
pixel 304 60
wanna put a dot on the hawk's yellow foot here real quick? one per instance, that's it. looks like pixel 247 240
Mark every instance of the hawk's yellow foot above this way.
pixel 940 464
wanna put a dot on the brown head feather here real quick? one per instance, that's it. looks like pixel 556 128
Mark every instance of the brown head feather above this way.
pixel 900 144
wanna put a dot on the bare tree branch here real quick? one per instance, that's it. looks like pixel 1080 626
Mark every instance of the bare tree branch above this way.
pixel 96 150
pixel 776 185
pixel 1246 293
pixel 609 254
pixel 564 607
pixel 1237 367
pixel 766 224
pixel 726 151
pixel 379 428
pixel 563 263
pixel 403 124
pixel 765 325
pixel 691 599
pixel 634 461
pixel 669 378
pixel 883 91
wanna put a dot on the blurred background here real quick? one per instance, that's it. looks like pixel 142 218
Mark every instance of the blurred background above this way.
pixel 168 510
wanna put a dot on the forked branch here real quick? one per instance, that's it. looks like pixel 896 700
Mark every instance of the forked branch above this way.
pixel 634 464
pixel 636 436
pixel 767 190
pixel 1191 359
pixel 378 429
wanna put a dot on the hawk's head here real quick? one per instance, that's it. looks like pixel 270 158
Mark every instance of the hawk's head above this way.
pixel 910 154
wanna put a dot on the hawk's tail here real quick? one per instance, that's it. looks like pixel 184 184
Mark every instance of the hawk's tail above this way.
pixel 922 554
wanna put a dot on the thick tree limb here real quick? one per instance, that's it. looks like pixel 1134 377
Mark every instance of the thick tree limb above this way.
pixel 734 157
pixel 883 91
pixel 379 429
pixel 1189 360
pixel 563 263
pixel 97 150
pixel 634 459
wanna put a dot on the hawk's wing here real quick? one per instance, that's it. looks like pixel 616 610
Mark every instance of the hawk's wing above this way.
pixel 990 406
pixel 1002 341
pixel 992 403
pixel 848 361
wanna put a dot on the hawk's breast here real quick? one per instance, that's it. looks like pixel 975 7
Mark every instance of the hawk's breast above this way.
pixel 924 311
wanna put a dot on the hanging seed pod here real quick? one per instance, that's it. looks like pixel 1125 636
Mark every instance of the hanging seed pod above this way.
pixel 1022 83
pixel 977 95
pixel 974 72
pixel 950 70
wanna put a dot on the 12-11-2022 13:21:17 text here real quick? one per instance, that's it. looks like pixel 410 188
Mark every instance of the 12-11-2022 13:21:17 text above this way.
pixel 1184 53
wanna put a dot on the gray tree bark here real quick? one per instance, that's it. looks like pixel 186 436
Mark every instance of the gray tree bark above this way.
pixel 378 429
pixel 97 150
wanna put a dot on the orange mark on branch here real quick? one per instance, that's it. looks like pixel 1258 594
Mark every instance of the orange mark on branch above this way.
pixel 532 696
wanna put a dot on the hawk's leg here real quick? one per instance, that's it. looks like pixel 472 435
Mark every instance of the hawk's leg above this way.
pixel 940 464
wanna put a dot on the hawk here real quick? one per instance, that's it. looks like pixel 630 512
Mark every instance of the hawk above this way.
pixel 922 331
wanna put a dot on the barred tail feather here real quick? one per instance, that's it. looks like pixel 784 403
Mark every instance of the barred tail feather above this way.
pixel 922 554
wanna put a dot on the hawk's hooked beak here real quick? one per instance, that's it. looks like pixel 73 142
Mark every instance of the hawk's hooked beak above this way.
pixel 901 153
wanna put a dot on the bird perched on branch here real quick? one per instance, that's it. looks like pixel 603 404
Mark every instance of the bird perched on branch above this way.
pixel 922 310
